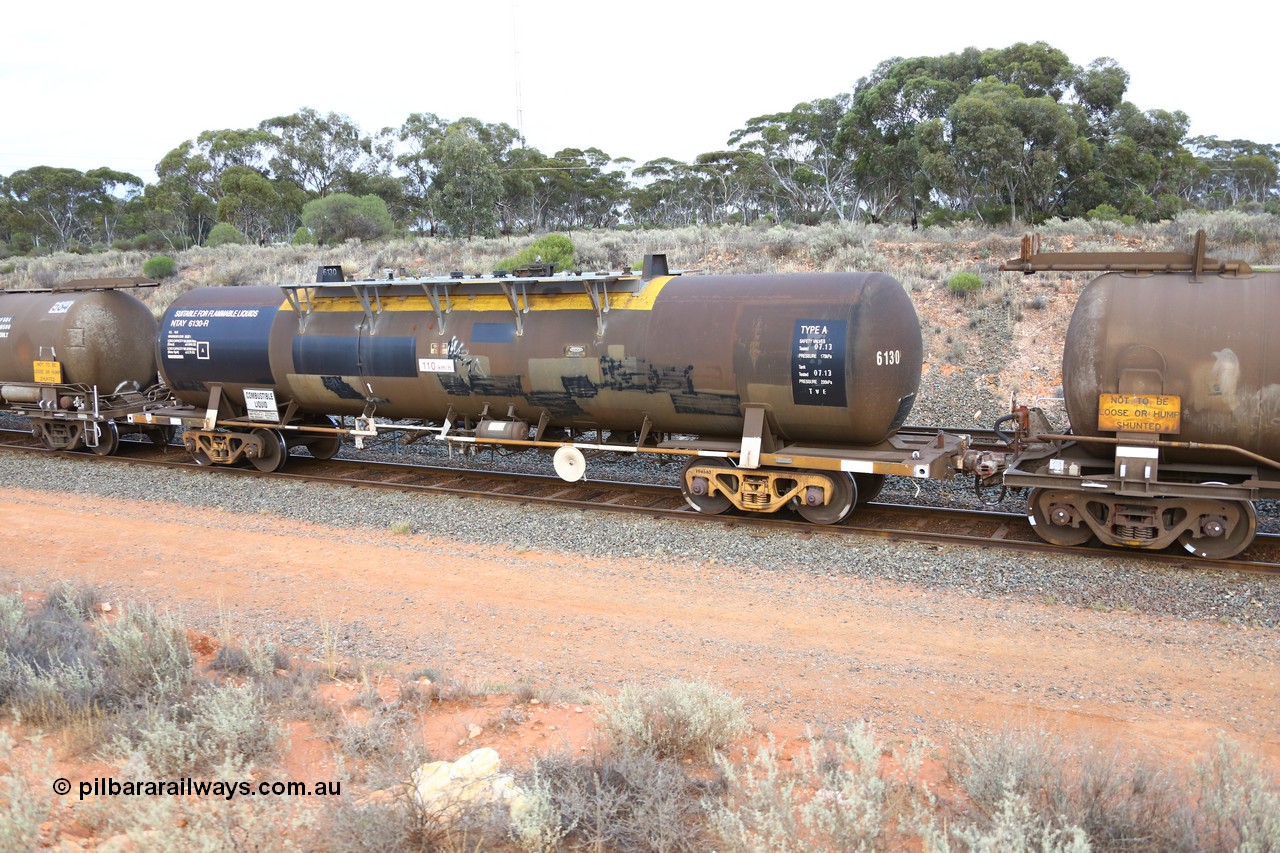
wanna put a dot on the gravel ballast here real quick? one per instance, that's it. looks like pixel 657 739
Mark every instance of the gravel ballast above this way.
pixel 1111 583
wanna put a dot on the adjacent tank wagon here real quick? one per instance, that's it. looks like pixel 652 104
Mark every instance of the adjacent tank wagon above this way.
pixel 1171 378
pixel 77 360
pixel 1206 341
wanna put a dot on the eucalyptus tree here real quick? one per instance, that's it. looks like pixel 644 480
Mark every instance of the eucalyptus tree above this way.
pixel 434 158
pixel 183 204
pixel 997 147
pixel 1235 171
pixel 978 127
pixel 467 184
pixel 52 208
pixel 807 157
pixel 317 152
pixel 735 185
pixel 417 159
pixel 1141 168
pixel 201 163
pixel 585 191
pixel 528 188
pixel 669 194
pixel 901 105
pixel 381 176
pixel 252 204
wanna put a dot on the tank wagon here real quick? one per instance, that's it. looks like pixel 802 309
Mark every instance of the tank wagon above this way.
pixel 780 390
pixel 1172 383
pixel 77 360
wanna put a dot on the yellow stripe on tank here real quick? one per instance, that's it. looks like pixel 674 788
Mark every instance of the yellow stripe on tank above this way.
pixel 460 300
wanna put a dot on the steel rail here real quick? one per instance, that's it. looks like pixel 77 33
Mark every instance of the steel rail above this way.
pixel 894 522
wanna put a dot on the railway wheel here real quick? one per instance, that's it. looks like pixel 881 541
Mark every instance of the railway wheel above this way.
pixel 45 440
pixel 1222 537
pixel 108 438
pixel 696 489
pixel 51 436
pixel 325 446
pixel 274 451
pixel 842 498
pixel 197 453
pixel 1051 514
pixel 869 486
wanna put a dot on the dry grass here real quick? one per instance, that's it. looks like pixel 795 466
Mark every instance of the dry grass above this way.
pixel 134 680
pixel 680 719
pixel 919 258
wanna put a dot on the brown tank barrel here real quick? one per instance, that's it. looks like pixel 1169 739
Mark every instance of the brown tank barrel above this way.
pixel 834 357
pixel 1209 342
pixel 104 338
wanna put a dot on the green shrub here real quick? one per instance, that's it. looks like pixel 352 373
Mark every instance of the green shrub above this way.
pixel 55 668
pixel 616 801
pixel 551 249
pixel 679 719
pixel 378 737
pixel 342 216
pixel 836 796
pixel 942 217
pixel 1051 788
pixel 303 237
pixel 1016 826
pixel 963 283
pixel 232 659
pixel 351 826
pixel 202 823
pixel 216 725
pixel 52 671
pixel 161 266
pixel 145 659
pixel 78 599
pixel 24 803
pixel 152 241
pixel 224 233
pixel 1103 213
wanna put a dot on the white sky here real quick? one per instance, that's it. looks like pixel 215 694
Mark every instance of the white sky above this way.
pixel 87 83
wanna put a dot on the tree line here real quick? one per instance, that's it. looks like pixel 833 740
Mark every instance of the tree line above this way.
pixel 1010 134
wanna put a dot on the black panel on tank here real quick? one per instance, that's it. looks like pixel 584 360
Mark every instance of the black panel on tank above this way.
pixel 817 363
pixel 201 346
pixel 346 355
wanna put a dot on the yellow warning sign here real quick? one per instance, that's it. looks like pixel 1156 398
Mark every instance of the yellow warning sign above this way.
pixel 1161 413
pixel 48 372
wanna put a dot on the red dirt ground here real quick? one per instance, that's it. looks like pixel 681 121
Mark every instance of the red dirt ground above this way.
pixel 800 650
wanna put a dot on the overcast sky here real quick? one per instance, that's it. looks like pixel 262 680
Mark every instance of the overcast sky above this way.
pixel 86 83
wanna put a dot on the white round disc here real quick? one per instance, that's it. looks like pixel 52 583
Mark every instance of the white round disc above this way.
pixel 570 464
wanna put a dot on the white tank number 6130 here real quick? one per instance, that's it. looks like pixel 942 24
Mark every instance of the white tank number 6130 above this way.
pixel 888 356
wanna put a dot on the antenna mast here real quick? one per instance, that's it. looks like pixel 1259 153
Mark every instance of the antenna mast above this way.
pixel 515 39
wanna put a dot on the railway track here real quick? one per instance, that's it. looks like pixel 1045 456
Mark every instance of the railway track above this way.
pixel 941 525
